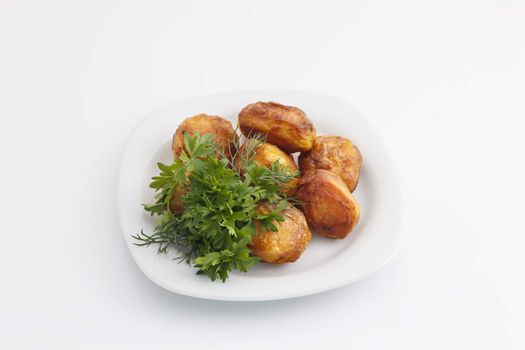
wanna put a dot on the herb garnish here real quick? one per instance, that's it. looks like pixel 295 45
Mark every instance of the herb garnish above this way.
pixel 220 205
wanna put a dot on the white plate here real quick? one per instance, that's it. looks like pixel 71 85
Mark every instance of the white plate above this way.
pixel 326 264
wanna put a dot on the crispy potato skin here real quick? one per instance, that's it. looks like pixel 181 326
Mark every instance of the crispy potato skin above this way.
pixel 285 245
pixel 286 127
pixel 265 155
pixel 328 205
pixel 176 204
pixel 221 128
pixel 336 154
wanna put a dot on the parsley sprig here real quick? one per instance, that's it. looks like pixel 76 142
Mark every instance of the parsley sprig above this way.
pixel 220 204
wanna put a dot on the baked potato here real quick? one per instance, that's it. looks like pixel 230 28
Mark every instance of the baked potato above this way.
pixel 221 128
pixel 176 205
pixel 285 245
pixel 265 155
pixel 328 205
pixel 336 154
pixel 286 127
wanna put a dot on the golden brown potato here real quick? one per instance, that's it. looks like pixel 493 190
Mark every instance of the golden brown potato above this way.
pixel 336 154
pixel 205 124
pixel 285 245
pixel 328 205
pixel 265 155
pixel 286 127
pixel 176 204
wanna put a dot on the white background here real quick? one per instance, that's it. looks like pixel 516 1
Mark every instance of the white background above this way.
pixel 442 82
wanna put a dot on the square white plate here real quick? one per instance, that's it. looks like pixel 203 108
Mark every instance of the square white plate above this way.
pixel 326 263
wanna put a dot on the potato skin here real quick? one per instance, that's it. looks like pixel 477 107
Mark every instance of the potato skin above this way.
pixel 286 127
pixel 265 155
pixel 176 203
pixel 221 128
pixel 285 245
pixel 336 154
pixel 329 207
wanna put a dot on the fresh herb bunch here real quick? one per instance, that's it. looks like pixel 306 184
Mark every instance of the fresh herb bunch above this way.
pixel 220 206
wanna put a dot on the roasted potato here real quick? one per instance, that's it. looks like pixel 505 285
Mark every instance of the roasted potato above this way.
pixel 285 245
pixel 286 127
pixel 205 124
pixel 336 154
pixel 176 204
pixel 328 205
pixel 265 155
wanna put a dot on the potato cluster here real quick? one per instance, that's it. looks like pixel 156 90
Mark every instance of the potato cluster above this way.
pixel 329 166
